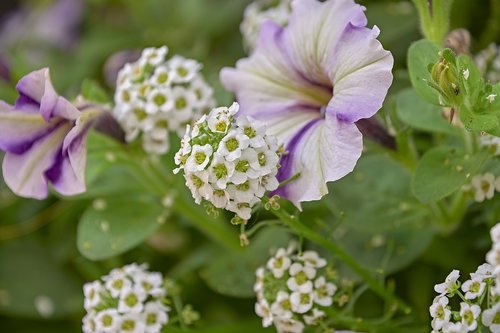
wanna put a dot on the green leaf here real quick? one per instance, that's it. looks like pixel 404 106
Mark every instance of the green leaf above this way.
pixel 442 171
pixel 233 274
pixel 419 114
pixel 420 55
pixel 28 274
pixel 479 121
pixel 94 92
pixel 112 226
pixel 390 231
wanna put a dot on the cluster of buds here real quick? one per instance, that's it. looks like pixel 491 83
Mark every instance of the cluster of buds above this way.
pixel 129 299
pixel 479 295
pixel 259 12
pixel 229 162
pixel 445 76
pixel 155 97
pixel 294 289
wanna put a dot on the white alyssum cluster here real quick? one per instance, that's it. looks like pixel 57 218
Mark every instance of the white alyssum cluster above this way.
pixel 127 300
pixel 155 96
pixel 483 186
pixel 229 162
pixel 479 295
pixel 488 140
pixel 259 12
pixel 488 62
pixel 292 289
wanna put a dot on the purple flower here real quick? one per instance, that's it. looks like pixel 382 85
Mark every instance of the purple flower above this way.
pixel 310 82
pixel 43 136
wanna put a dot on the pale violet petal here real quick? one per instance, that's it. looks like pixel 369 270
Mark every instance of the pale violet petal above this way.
pixel 314 31
pixel 25 173
pixel 360 79
pixel 20 130
pixel 324 150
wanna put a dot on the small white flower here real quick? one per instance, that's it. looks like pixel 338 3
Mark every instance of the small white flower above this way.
pixel 484 271
pixel 449 285
pixel 117 282
pixel 312 259
pixel 89 323
pixel 232 145
pixel 154 56
pixel 455 328
pixel 300 278
pixel 159 100
pixel 279 264
pixel 316 316
pixel 154 316
pixel 243 169
pixel 484 186
pixel 132 322
pixel 466 73
pixel 199 159
pixel 220 198
pixel 259 279
pixel 440 312
pixel 301 301
pixel 282 307
pixel 469 314
pixel 495 233
pixel 491 97
pixel 91 292
pixel 132 300
pixel 255 131
pixel 263 310
pixel 289 326
pixel 161 76
pixel 473 288
pixel 493 258
pixel 184 70
pixel 324 291
pixel 150 283
pixel 491 318
pixel 242 209
pixel 107 321
pixel 221 171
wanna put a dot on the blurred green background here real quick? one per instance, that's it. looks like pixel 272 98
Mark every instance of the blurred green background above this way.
pixel 39 259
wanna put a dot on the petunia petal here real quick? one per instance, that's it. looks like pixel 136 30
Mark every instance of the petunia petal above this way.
pixel 324 150
pixel 360 79
pixel 314 31
pixel 36 91
pixel 266 81
pixel 25 173
pixel 20 130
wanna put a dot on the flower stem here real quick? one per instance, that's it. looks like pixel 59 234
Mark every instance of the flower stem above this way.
pixel 339 252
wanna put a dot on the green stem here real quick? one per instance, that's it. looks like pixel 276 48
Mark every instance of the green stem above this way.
pixel 319 239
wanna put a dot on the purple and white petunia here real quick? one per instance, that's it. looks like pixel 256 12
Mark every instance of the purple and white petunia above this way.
pixel 43 136
pixel 310 82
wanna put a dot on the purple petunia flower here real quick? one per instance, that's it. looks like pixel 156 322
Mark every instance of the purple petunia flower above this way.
pixel 310 82
pixel 43 136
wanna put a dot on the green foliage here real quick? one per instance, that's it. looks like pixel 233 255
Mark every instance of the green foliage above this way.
pixel 417 113
pixel 111 226
pixel 94 92
pixel 421 54
pixel 443 170
pixel 233 273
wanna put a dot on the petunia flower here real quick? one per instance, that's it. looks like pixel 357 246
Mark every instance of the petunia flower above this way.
pixel 310 82
pixel 43 136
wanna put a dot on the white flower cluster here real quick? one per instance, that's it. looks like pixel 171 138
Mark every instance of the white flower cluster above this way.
pixel 488 62
pixel 292 290
pixel 130 299
pixel 487 140
pixel 230 163
pixel 259 12
pixel 155 97
pixel 480 297
pixel 483 186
